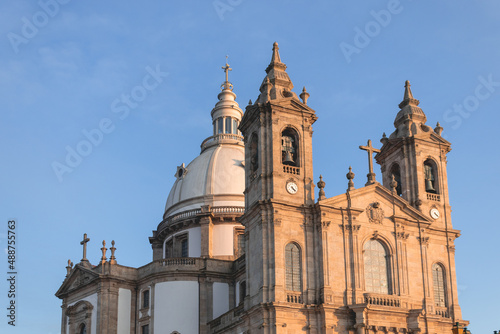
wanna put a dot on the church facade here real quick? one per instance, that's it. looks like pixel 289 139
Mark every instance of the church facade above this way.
pixel 244 246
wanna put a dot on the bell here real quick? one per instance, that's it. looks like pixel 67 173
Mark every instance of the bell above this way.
pixel 288 157
pixel 428 186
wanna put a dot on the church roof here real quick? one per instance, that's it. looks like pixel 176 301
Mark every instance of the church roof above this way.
pixel 216 177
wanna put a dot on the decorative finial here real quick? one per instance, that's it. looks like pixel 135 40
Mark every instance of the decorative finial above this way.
pixel 304 95
pixel 408 94
pixel 84 243
pixel 103 249
pixel 250 102
pixel 276 55
pixel 69 267
pixel 394 183
pixel 438 129
pixel 408 97
pixel 384 139
pixel 350 177
pixel 227 84
pixel 370 149
pixel 321 186
pixel 112 259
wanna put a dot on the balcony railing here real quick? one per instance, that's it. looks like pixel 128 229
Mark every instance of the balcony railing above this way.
pixel 194 212
pixel 433 197
pixel 291 170
pixel 219 138
pixel 179 261
pixel 294 297
pixel 382 300
pixel 442 311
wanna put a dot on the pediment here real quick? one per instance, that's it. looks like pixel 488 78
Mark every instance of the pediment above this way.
pixel 80 276
pixel 363 200
pixel 293 104
pixel 430 137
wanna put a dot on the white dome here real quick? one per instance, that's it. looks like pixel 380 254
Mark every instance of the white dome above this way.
pixel 216 177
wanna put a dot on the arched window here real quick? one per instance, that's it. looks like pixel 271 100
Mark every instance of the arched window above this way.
pixel 290 147
pixel 430 177
pixel 293 268
pixel 439 285
pixel 254 153
pixel 396 172
pixel 377 277
pixel 80 317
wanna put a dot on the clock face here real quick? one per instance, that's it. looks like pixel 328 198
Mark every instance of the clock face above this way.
pixel 434 213
pixel 292 187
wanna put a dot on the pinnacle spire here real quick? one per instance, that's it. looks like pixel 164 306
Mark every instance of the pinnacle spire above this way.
pixel 411 119
pixel 276 54
pixel 408 97
pixel 277 83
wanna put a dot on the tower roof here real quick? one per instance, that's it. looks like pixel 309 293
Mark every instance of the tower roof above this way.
pixel 277 83
pixel 411 119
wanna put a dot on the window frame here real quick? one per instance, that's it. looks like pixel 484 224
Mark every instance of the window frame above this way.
pixel 145 293
pixel 239 232
pixel 439 291
pixel 293 268
pixel 382 273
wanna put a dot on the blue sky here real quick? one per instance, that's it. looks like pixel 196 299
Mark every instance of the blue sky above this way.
pixel 67 67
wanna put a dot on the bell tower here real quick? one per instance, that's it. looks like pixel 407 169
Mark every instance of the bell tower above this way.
pixel 415 155
pixel 278 135
pixel 279 194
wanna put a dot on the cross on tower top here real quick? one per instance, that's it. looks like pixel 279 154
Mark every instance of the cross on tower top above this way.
pixel 227 84
pixel 370 149
pixel 84 243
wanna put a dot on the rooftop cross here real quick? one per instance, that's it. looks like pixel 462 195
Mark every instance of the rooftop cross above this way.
pixel 84 243
pixel 226 69
pixel 370 149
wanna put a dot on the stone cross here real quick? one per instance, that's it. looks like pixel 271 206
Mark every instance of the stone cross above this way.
pixel 370 149
pixel 227 69
pixel 84 243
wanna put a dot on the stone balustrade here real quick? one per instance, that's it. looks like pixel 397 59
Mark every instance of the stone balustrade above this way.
pixel 219 138
pixel 433 197
pixel 294 297
pixel 382 300
pixel 291 170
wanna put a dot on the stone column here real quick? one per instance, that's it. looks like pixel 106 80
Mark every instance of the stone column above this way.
pixel 206 231
pixel 64 321
pixel 107 312
pixel 206 303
